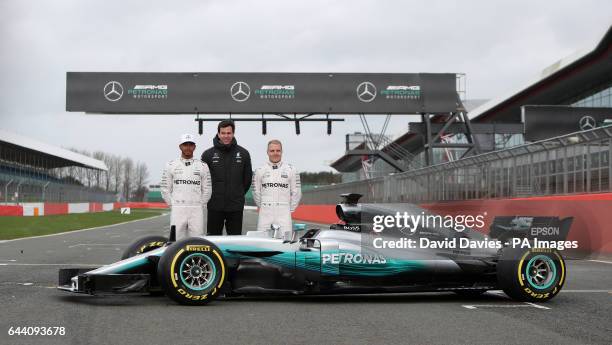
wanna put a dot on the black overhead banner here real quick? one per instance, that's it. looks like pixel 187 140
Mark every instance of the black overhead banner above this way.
pixel 256 93
pixel 546 121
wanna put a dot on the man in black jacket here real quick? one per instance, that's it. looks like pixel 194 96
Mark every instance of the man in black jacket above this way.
pixel 231 173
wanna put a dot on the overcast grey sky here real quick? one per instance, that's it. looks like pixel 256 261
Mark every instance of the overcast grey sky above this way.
pixel 499 45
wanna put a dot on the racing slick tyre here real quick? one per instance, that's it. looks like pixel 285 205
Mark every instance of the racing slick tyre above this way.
pixel 143 245
pixel 192 271
pixel 531 274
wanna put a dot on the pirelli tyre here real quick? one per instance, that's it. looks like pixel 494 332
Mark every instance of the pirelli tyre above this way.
pixel 531 274
pixel 143 245
pixel 192 271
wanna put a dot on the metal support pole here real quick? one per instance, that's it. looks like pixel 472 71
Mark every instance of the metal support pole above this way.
pixel 514 173
pixel 18 185
pixel 44 189
pixel 6 191
pixel 588 168
pixel 428 142
pixel 610 165
pixel 565 168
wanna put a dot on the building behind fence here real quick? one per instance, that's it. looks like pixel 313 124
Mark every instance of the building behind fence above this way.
pixel 573 163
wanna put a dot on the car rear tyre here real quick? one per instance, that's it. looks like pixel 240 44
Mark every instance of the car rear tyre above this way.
pixel 532 274
pixel 192 271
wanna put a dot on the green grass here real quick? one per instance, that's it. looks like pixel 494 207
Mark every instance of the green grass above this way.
pixel 17 227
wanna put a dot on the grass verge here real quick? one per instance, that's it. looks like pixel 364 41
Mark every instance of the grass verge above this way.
pixel 18 227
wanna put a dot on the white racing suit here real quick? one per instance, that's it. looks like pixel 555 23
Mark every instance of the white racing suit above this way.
pixel 277 192
pixel 186 188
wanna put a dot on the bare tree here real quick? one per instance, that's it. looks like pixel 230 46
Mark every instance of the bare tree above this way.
pixel 140 181
pixel 128 177
pixel 99 175
pixel 118 168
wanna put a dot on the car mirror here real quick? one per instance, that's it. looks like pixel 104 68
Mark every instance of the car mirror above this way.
pixel 275 230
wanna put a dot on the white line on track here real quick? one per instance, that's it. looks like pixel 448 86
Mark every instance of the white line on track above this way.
pixel 144 230
pixel 602 261
pixel 587 291
pixel 523 305
pixel 29 284
pixel 500 292
pixel 98 244
pixel 67 264
pixel 537 306
pixel 81 230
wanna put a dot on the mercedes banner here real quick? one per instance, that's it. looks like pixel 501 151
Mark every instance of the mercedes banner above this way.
pixel 257 93
pixel 547 121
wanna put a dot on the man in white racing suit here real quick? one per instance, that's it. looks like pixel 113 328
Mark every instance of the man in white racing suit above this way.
pixel 276 191
pixel 186 188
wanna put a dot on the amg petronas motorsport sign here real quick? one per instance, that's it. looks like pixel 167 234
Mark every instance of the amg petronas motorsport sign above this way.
pixel 261 93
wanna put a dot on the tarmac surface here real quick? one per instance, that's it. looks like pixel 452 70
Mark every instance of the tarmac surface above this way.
pixel 580 314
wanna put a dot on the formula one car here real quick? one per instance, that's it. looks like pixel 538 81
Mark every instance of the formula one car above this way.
pixel 337 260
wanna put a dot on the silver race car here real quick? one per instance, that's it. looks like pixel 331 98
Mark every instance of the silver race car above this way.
pixel 335 260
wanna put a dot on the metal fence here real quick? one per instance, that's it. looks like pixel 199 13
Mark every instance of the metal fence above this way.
pixel 14 190
pixel 573 163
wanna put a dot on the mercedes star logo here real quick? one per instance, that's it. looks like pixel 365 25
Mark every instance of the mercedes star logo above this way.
pixel 366 91
pixel 587 122
pixel 113 91
pixel 240 91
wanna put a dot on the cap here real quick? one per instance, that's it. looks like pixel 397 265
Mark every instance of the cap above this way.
pixel 187 138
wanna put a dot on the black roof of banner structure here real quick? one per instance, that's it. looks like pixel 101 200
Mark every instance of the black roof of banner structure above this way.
pixel 261 93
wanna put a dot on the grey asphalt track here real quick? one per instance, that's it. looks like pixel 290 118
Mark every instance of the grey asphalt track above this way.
pixel 581 314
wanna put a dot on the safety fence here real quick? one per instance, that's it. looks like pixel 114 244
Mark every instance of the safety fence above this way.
pixel 576 163
pixel 55 208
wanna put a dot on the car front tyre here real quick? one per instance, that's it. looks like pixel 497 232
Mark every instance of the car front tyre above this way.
pixel 192 271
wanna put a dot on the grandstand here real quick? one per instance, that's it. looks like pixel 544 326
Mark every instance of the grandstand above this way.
pixel 31 171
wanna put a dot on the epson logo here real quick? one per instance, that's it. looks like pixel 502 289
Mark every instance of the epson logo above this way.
pixel 196 182
pixel 349 258
pixel 546 231
pixel 275 184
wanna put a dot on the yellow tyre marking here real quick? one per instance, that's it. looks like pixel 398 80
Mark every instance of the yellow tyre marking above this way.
pixel 519 268
pixel 562 268
pixel 222 269
pixel 172 267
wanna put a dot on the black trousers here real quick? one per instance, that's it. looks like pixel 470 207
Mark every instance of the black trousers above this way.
pixel 231 220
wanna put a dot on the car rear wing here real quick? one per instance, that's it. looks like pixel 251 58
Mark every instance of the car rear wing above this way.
pixel 542 227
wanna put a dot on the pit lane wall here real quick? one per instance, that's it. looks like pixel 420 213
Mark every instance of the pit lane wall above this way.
pixel 591 226
pixel 51 208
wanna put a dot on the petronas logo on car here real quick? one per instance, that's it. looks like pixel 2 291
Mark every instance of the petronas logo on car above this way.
pixel 350 258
